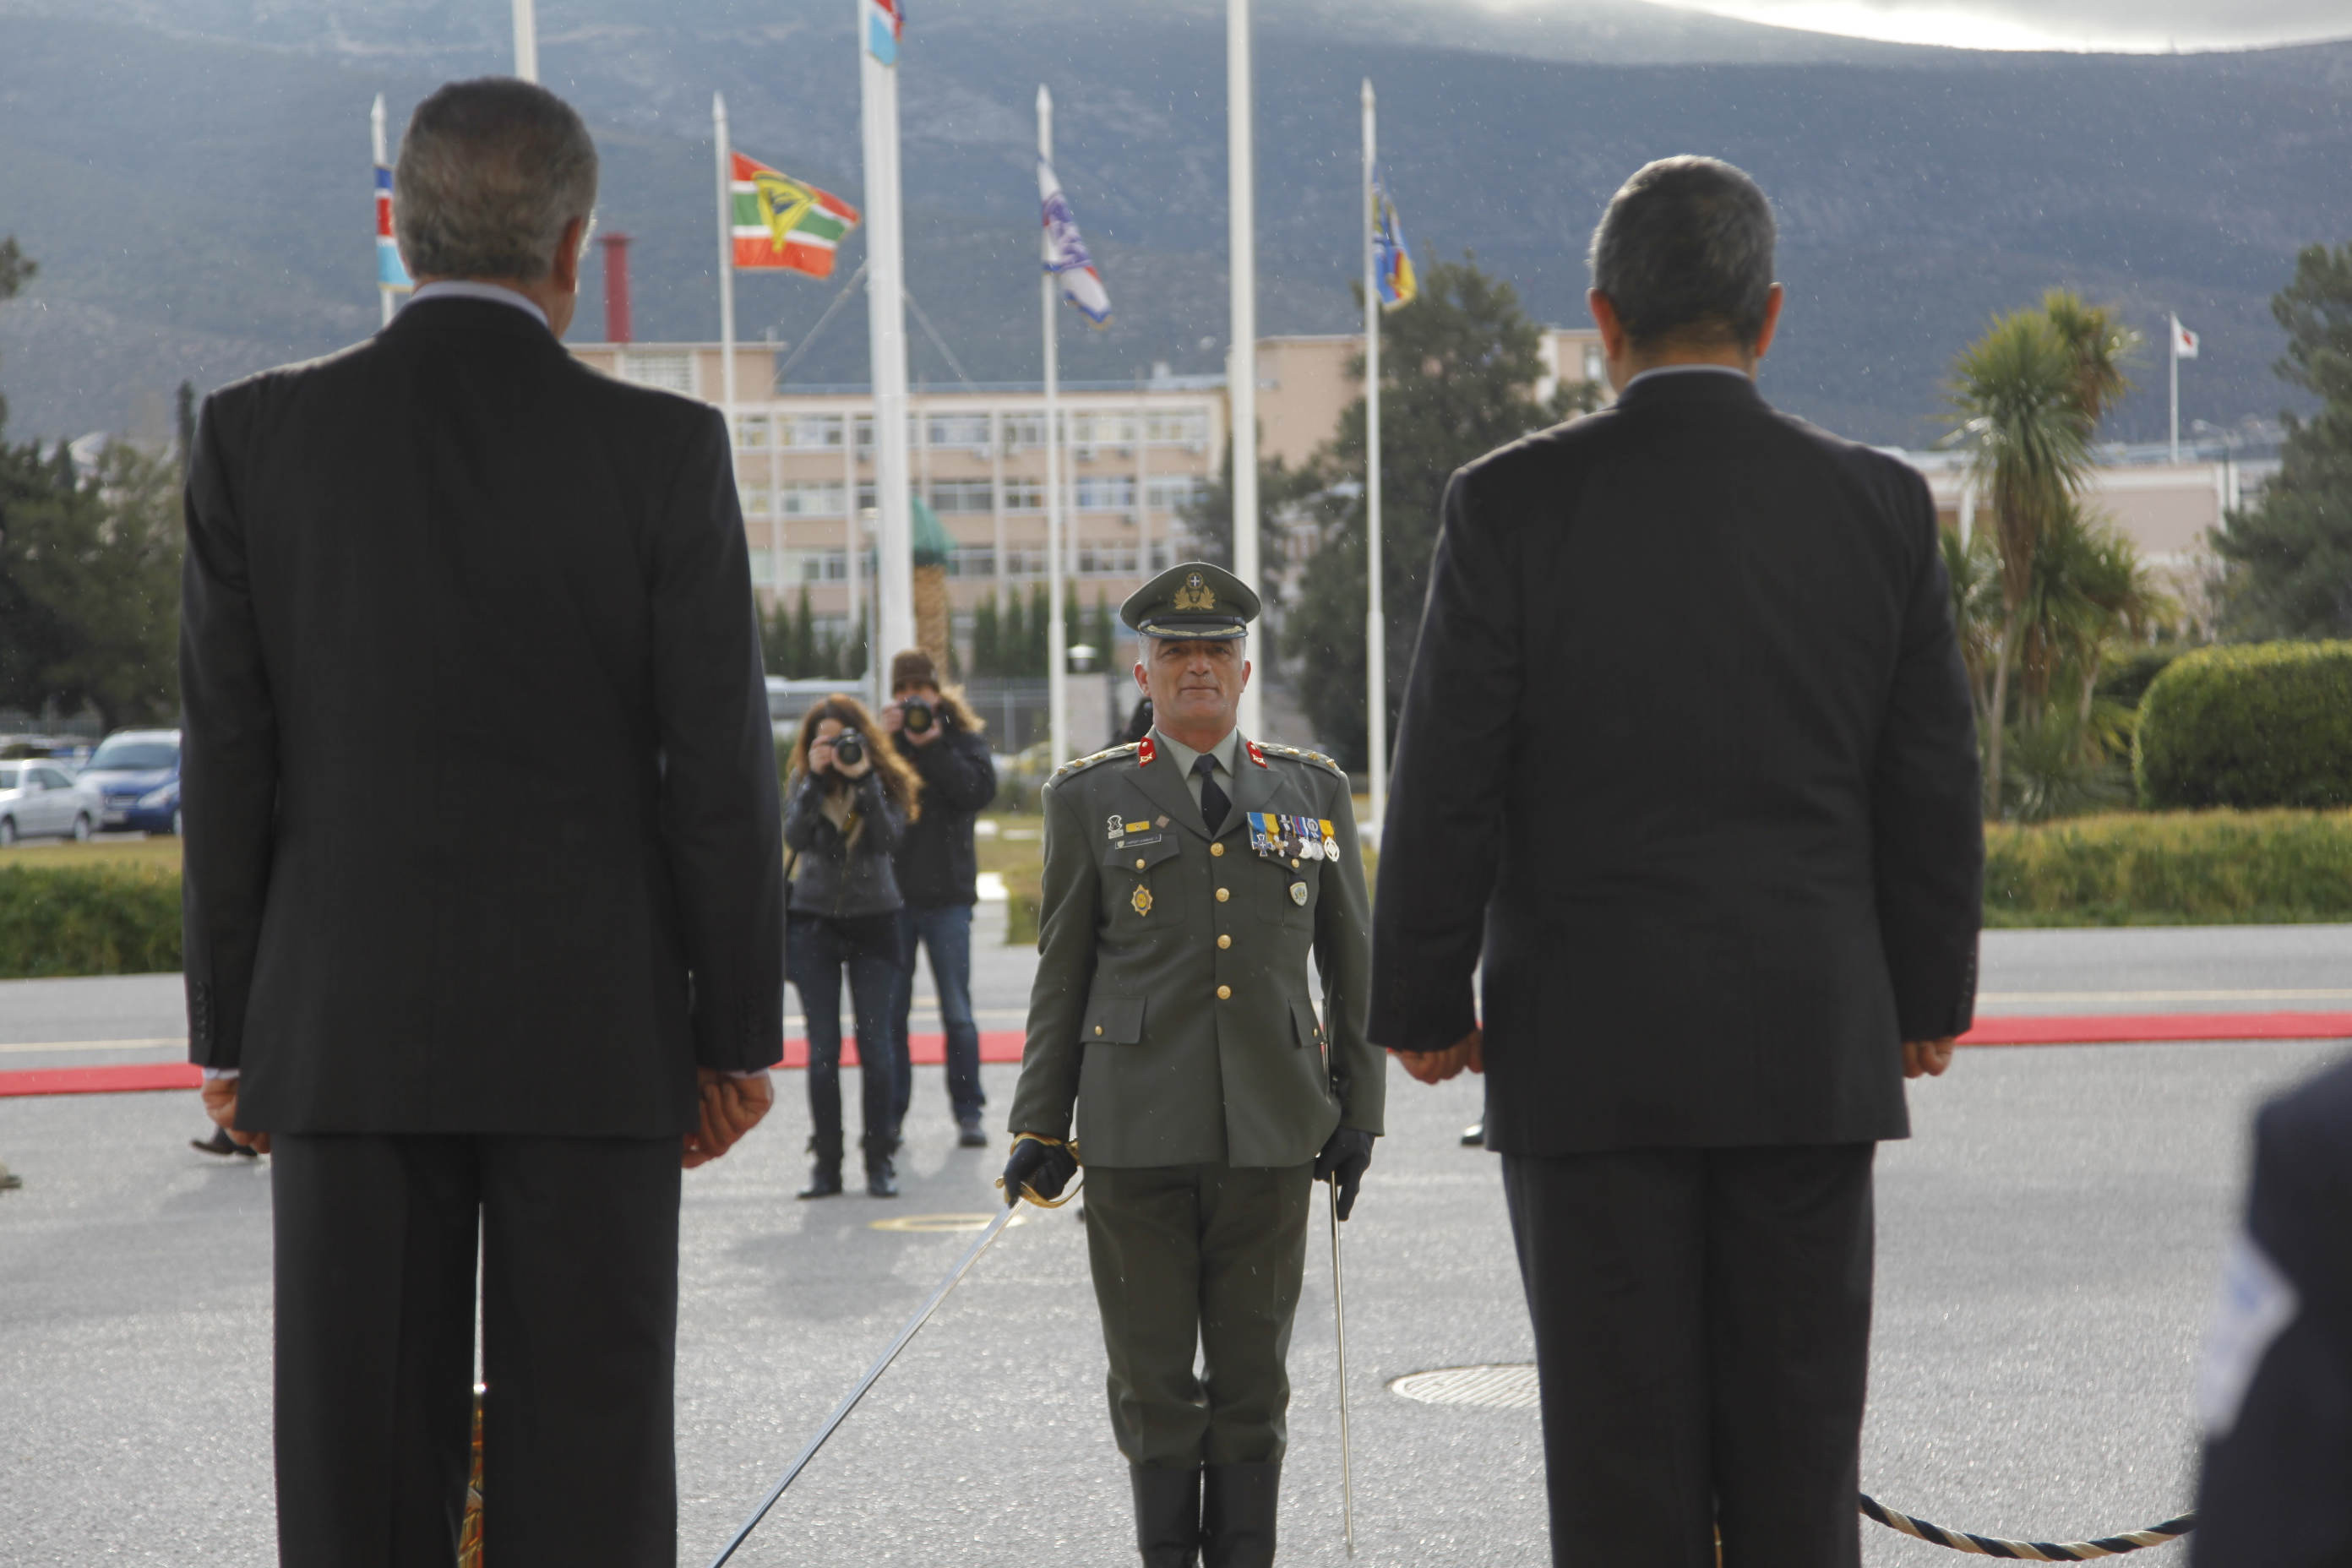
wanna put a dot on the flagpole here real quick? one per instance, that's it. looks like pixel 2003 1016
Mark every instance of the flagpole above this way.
pixel 375 122
pixel 894 622
pixel 2172 354
pixel 525 40
pixel 1241 365
pixel 1376 640
pixel 726 265
pixel 1057 634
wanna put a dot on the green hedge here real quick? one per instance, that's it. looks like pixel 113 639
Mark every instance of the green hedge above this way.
pixel 88 920
pixel 2260 725
pixel 2219 868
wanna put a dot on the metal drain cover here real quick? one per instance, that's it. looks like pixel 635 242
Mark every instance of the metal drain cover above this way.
pixel 1511 1387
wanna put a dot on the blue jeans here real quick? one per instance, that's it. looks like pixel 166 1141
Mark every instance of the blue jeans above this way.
pixel 816 948
pixel 946 930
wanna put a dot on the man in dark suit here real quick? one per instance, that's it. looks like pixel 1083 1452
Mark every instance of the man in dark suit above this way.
pixel 484 896
pixel 2275 1391
pixel 1688 761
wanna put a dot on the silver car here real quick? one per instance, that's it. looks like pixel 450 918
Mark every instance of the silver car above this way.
pixel 39 798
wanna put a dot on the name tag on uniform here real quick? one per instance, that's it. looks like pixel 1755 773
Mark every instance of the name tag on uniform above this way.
pixel 1140 843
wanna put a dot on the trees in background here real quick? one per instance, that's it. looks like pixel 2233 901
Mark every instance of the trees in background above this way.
pixel 2286 560
pixel 1458 372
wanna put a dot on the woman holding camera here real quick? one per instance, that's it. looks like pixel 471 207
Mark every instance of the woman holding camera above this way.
pixel 849 797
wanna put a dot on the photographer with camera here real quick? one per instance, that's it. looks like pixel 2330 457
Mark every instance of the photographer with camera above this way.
pixel 849 799
pixel 939 736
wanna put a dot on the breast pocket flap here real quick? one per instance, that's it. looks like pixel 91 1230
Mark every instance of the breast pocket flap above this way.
pixel 1162 845
pixel 1113 1021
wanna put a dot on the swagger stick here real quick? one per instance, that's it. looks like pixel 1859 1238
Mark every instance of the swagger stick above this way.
pixel 1339 1319
pixel 849 1402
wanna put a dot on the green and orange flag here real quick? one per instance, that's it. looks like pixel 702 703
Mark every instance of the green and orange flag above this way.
pixel 783 224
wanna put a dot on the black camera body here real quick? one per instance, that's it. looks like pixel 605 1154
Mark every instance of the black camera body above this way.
pixel 849 748
pixel 918 716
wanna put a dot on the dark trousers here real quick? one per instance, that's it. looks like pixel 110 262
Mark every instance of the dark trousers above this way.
pixel 1198 1259
pixel 946 930
pixel 1702 1326
pixel 817 947
pixel 376 1239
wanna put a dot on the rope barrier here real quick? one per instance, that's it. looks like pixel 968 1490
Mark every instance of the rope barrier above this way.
pixel 2030 1551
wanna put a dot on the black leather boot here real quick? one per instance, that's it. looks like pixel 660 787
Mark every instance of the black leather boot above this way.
pixel 825 1170
pixel 881 1174
pixel 1167 1516
pixel 1238 1503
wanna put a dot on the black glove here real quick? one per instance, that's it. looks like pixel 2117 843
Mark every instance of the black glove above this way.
pixel 1347 1155
pixel 1044 1168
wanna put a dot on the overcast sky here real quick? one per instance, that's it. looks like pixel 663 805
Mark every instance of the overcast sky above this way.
pixel 2134 24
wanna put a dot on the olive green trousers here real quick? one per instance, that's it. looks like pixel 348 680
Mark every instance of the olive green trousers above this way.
pixel 1198 1260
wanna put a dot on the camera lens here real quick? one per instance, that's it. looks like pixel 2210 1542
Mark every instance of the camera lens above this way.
pixel 848 749
pixel 918 715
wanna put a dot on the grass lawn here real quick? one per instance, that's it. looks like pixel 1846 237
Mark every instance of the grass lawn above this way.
pixel 160 853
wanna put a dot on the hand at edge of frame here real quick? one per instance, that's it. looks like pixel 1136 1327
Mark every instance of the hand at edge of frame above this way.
pixel 1926 1059
pixel 1436 1067
pixel 220 1104
pixel 730 1108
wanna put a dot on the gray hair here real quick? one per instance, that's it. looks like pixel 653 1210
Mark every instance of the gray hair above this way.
pixel 1684 252
pixel 489 173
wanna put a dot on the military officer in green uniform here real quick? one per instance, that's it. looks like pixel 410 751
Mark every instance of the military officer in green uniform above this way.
pixel 1188 878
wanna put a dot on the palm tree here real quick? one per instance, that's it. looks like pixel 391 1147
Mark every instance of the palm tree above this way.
pixel 2101 345
pixel 2018 389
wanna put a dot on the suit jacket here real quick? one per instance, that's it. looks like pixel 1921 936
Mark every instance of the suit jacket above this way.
pixel 2277 1486
pixel 1687 758
pixel 1171 1004
pixel 479 786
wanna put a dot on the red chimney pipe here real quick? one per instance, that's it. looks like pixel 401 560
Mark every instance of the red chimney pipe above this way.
pixel 617 287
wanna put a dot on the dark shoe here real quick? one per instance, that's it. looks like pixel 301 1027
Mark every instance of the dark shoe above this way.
pixel 220 1143
pixel 825 1170
pixel 1167 1516
pixel 1238 1503
pixel 969 1135
pixel 881 1175
pixel 9 1180
pixel 1474 1135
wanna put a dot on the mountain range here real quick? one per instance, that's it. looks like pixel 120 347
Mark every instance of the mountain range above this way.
pixel 191 175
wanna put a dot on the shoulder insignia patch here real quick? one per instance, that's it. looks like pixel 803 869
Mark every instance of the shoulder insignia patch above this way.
pixel 1080 765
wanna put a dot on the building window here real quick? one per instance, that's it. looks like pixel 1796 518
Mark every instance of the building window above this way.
pixel 753 494
pixel 864 495
pixel 1022 431
pixel 1025 495
pixel 751 432
pixel 670 372
pixel 1175 428
pixel 972 561
pixel 763 569
pixel 817 565
pixel 959 430
pixel 1106 492
pixel 1102 429
pixel 961 496
pixel 813 498
pixel 1106 560
pixel 1174 492
pixel 812 432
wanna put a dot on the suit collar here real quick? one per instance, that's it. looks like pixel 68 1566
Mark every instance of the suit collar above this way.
pixel 459 312
pixel 1694 387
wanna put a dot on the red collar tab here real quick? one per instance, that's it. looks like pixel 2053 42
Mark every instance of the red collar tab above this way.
pixel 1255 754
pixel 1145 750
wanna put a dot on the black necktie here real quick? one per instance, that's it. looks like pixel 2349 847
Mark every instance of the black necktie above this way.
pixel 1213 803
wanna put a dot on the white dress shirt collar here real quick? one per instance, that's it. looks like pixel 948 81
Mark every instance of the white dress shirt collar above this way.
pixel 466 289
pixel 1681 370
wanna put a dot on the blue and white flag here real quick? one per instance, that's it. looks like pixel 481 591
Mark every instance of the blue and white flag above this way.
pixel 1066 251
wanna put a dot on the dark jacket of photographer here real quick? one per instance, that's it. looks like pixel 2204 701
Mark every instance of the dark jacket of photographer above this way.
pixel 936 863
pixel 843 872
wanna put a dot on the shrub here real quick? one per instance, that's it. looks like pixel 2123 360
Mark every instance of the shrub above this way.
pixel 88 920
pixel 2220 868
pixel 2260 725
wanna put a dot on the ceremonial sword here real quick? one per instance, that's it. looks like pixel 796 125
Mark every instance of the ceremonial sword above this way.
pixel 849 1401
pixel 1340 1322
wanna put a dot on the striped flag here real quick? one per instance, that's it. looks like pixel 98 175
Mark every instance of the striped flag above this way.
pixel 1391 262
pixel 783 225
pixel 389 272
pixel 886 24
pixel 1066 251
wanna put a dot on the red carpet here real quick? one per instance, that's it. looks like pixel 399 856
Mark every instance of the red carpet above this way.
pixel 1005 1046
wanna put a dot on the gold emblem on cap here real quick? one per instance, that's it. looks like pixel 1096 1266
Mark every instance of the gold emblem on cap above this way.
pixel 1195 594
pixel 1142 901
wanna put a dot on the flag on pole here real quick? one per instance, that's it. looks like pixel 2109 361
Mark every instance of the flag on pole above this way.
pixel 2184 341
pixel 886 24
pixel 1391 262
pixel 1066 251
pixel 389 272
pixel 783 224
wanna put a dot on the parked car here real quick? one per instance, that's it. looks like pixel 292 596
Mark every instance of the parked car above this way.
pixel 136 774
pixel 39 798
